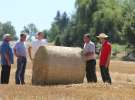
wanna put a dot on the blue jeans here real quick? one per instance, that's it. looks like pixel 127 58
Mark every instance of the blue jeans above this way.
pixel 20 72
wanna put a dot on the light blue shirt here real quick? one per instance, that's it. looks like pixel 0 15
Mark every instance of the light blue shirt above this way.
pixel 20 48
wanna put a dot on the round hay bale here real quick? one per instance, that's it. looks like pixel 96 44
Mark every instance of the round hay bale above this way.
pixel 58 65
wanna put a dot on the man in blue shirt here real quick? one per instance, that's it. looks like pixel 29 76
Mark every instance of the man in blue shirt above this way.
pixel 20 53
pixel 6 59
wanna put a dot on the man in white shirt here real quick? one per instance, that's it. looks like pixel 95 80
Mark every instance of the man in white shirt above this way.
pixel 40 41
pixel 89 53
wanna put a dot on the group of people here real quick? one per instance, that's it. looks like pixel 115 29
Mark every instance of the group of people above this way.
pixel 104 58
pixel 20 51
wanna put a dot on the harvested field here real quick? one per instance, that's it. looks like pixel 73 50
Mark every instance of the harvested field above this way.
pixel 123 87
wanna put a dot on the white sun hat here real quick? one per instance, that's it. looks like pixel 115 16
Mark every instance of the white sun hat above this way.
pixel 102 35
pixel 6 35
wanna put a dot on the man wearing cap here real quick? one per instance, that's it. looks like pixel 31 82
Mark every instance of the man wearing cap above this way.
pixel 20 53
pixel 40 41
pixel 6 59
pixel 104 58
pixel 89 53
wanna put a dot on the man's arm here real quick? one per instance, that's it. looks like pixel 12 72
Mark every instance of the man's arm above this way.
pixel 15 53
pixel 29 51
pixel 108 57
pixel 7 58
pixel 108 61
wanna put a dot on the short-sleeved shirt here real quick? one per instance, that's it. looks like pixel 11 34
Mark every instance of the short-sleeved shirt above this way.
pixel 6 49
pixel 21 49
pixel 105 52
pixel 36 44
pixel 89 47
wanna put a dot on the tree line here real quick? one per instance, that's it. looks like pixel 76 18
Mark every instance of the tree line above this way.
pixel 113 17
pixel 7 27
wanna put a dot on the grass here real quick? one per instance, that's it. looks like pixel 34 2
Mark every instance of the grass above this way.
pixel 119 48
pixel 119 51
pixel 123 87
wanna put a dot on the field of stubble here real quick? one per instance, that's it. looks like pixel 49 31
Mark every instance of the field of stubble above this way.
pixel 123 87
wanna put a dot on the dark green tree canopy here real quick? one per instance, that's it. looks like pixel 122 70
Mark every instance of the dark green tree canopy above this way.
pixel 7 28
pixel 113 17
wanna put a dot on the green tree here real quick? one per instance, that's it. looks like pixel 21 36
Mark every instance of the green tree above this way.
pixel 58 41
pixel 129 23
pixel 54 31
pixel 46 32
pixel 58 26
pixel 30 28
pixel 98 16
pixel 113 17
pixel 7 28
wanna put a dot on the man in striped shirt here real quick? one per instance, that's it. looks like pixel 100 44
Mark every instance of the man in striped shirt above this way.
pixel 89 53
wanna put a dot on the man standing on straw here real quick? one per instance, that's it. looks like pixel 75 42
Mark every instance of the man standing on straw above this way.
pixel 40 41
pixel 104 58
pixel 89 53
pixel 6 59
pixel 20 53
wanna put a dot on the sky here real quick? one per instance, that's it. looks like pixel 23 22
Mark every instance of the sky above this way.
pixel 39 12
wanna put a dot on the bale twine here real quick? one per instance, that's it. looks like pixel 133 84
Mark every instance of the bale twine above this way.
pixel 58 65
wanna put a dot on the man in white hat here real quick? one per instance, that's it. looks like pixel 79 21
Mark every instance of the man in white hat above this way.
pixel 6 59
pixel 104 58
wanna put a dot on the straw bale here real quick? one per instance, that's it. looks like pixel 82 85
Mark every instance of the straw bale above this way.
pixel 58 65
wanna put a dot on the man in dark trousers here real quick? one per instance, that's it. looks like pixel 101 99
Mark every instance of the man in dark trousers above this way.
pixel 20 53
pixel 89 53
pixel 104 58
pixel 6 59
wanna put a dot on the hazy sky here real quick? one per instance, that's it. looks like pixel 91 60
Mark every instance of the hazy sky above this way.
pixel 39 12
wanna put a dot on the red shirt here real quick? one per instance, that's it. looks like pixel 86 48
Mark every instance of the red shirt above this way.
pixel 105 52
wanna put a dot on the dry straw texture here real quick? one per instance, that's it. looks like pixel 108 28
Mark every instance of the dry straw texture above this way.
pixel 58 65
